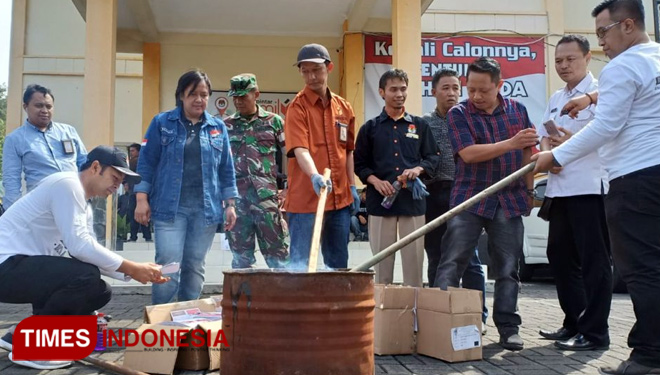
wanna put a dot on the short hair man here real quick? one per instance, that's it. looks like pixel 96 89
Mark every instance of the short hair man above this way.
pixel 320 133
pixel 626 128
pixel 52 219
pixel 393 146
pixel 40 147
pixel 491 137
pixel 134 155
pixel 135 227
pixel 255 136
pixel 578 247
pixel 446 88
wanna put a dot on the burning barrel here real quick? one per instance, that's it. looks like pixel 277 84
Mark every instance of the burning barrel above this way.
pixel 294 323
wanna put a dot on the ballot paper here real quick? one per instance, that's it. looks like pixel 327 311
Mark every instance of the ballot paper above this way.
pixel 192 317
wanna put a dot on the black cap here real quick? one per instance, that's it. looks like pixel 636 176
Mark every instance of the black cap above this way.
pixel 313 53
pixel 112 157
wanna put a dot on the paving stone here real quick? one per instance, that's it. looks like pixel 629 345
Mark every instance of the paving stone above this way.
pixel 538 307
pixel 396 369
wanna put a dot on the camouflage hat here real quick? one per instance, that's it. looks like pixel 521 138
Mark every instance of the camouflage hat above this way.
pixel 242 84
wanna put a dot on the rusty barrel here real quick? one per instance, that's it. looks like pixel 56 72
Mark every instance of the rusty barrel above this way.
pixel 295 323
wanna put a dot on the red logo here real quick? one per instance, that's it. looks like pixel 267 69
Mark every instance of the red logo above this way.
pixel 54 338
pixel 215 132
pixel 73 337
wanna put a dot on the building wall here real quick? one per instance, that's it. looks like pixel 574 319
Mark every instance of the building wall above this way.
pixel 528 17
pixel 55 58
pixel 55 46
pixel 270 58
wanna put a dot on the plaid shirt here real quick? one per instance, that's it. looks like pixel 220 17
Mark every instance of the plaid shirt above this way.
pixel 469 126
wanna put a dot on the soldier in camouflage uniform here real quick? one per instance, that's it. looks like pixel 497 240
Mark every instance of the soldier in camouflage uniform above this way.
pixel 256 136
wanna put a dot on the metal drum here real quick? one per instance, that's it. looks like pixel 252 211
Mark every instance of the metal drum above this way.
pixel 294 323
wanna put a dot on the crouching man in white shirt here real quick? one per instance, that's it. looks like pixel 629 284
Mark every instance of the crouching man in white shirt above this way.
pixel 37 231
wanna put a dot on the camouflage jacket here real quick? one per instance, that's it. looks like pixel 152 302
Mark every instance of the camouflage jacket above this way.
pixel 254 145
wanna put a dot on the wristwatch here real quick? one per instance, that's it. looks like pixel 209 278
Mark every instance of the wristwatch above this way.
pixel 230 204
pixel 555 162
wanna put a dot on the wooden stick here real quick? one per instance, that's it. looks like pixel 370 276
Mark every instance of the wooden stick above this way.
pixel 400 244
pixel 111 366
pixel 318 225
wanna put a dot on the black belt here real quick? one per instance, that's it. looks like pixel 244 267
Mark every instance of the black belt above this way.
pixel 650 171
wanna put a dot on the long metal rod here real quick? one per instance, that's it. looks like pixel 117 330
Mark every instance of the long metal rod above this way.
pixel 393 248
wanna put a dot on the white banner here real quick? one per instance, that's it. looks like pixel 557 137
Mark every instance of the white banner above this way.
pixel 522 61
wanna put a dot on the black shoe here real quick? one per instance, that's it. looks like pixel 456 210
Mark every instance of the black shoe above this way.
pixel 559 335
pixel 512 342
pixel 580 343
pixel 7 338
pixel 628 368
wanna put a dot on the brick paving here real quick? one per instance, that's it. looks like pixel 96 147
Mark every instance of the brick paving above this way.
pixel 538 306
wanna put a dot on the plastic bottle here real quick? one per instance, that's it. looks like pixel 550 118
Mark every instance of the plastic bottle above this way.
pixel 388 201
pixel 102 326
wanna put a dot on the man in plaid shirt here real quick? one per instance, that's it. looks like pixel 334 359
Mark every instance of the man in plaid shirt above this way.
pixel 491 138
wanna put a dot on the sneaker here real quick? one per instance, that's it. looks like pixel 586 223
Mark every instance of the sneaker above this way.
pixel 628 367
pixel 512 342
pixel 42 365
pixel 6 339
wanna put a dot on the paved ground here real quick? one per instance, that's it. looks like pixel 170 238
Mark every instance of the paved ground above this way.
pixel 538 306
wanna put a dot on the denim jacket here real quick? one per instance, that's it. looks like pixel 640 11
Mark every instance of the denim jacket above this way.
pixel 161 165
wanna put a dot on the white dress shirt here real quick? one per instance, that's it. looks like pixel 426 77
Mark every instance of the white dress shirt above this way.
pixel 627 121
pixel 585 175
pixel 51 220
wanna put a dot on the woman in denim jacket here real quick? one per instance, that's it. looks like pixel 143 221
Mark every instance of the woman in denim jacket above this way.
pixel 188 182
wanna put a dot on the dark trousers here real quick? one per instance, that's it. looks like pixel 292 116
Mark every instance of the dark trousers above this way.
pixel 505 241
pixel 632 207
pixel 135 226
pixel 53 285
pixel 437 204
pixel 579 255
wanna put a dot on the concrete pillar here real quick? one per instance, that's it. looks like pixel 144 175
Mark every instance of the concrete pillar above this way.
pixel 555 11
pixel 99 82
pixel 16 52
pixel 353 75
pixel 150 83
pixel 406 44
pixel 99 85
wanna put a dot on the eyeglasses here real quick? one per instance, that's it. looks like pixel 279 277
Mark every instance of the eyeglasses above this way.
pixel 600 32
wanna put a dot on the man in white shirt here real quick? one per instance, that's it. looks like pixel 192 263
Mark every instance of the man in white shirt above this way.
pixel 578 248
pixel 627 126
pixel 52 219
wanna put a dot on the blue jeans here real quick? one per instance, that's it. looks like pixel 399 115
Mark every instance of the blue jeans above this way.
pixel 505 241
pixel 474 278
pixel 187 239
pixel 334 238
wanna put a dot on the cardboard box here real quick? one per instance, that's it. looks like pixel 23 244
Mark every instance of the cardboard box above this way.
pixel 440 334
pixel 394 296
pixel 449 324
pixel 451 301
pixel 394 320
pixel 163 359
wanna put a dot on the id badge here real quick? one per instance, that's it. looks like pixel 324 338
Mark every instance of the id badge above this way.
pixel 67 144
pixel 343 132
